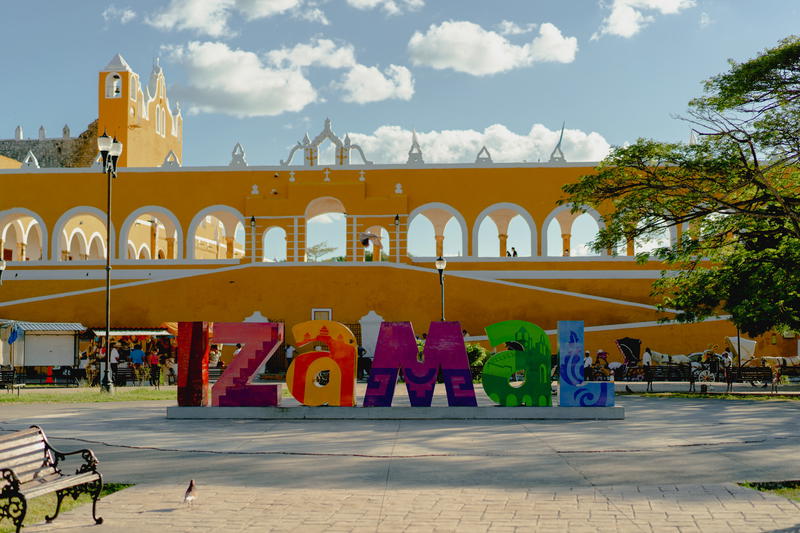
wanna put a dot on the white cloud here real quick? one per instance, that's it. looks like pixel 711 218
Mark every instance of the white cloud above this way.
pixel 705 20
pixel 627 17
pixel 122 15
pixel 390 144
pixel 364 84
pixel 311 14
pixel 508 27
pixel 319 52
pixel 467 47
pixel 210 17
pixel 361 84
pixel 392 7
pixel 236 82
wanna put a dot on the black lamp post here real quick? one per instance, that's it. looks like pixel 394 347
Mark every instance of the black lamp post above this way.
pixel 253 235
pixel 110 150
pixel 441 264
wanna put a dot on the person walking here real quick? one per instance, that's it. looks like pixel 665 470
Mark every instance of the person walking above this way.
pixel 155 369
pixel 587 366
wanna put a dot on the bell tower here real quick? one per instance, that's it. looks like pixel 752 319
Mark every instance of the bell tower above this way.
pixel 139 116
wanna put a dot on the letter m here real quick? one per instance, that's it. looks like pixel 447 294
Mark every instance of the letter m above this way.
pixel 397 349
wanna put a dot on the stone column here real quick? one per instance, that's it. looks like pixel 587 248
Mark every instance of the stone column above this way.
pixel 21 250
pixel 630 248
pixel 439 245
pixel 154 239
pixel 171 248
pixel 377 250
pixel 565 242
pixel 229 243
pixel 503 243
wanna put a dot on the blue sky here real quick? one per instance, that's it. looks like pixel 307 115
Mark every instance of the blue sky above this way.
pixel 462 73
pixel 448 68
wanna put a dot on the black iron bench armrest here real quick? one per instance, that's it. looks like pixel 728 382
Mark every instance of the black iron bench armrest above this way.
pixel 89 460
pixel 10 481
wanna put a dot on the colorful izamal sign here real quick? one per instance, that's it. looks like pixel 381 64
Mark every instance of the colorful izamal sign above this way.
pixel 444 355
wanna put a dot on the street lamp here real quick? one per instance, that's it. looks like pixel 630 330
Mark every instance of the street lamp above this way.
pixel 253 236
pixel 441 264
pixel 110 150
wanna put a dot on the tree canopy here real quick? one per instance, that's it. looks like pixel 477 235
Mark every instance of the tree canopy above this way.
pixel 734 193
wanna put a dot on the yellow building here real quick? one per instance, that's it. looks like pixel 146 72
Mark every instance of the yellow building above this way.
pixel 181 259
pixel 7 162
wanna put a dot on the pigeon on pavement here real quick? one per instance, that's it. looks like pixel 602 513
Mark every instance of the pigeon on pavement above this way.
pixel 191 493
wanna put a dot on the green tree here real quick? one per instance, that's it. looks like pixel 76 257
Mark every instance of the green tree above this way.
pixel 736 189
pixel 318 251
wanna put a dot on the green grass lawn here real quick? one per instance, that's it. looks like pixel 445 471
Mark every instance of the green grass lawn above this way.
pixel 713 396
pixel 87 395
pixel 787 489
pixel 45 505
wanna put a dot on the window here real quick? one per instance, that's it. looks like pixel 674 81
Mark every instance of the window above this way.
pixel 321 314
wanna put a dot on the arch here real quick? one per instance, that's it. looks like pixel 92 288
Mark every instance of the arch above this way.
pixel 576 244
pixel 130 251
pixel 11 238
pixel 274 244
pixel 167 217
pixel 58 230
pixel 97 247
pixel 229 217
pixel 322 205
pixel 521 211
pixel 314 216
pixel 9 215
pixel 454 212
pixel 144 252
pixel 113 85
pixel 566 207
pixel 386 242
pixel 426 237
pixel 161 254
pixel 77 245
pixel 33 242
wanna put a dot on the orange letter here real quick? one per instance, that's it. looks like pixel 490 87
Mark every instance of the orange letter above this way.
pixel 339 362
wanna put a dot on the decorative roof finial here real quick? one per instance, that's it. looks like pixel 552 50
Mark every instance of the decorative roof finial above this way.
pixel 483 156
pixel 415 152
pixel 558 156
pixel 237 157
pixel 30 161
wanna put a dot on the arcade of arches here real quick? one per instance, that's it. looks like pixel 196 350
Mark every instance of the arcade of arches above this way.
pixel 219 233
pixel 214 247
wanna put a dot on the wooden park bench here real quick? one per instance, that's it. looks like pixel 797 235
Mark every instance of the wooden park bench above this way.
pixel 9 381
pixel 668 373
pixel 123 375
pixel 30 467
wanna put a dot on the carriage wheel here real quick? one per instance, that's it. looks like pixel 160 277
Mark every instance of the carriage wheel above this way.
pixel 705 375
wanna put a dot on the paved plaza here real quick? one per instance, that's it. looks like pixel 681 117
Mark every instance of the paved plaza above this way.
pixel 671 465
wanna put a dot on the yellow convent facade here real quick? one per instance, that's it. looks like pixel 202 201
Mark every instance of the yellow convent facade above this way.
pixel 200 254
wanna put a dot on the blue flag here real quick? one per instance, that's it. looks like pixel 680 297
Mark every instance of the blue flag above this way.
pixel 14 334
